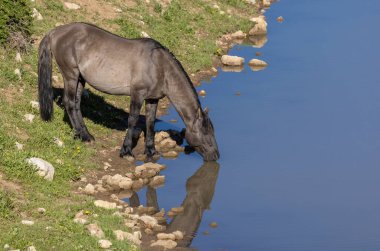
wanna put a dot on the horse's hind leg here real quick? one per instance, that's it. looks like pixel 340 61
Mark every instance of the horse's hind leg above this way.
pixel 150 117
pixel 71 103
pixel 83 133
pixel 133 133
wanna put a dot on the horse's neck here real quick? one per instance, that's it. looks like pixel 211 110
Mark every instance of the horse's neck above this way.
pixel 182 95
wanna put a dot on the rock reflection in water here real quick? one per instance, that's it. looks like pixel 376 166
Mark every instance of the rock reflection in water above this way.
pixel 258 41
pixel 200 189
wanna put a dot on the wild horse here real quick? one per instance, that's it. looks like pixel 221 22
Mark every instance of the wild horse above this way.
pixel 140 68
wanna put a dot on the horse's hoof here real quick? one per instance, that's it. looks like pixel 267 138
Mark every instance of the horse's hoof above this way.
pixel 152 158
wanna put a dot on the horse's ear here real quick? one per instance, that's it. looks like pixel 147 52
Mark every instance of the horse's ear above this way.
pixel 206 110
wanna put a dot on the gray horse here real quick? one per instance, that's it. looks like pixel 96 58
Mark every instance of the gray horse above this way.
pixel 140 68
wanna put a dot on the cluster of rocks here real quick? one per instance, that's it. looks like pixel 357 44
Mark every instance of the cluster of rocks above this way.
pixel 145 174
pixel 166 145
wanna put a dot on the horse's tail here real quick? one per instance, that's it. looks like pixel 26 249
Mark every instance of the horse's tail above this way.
pixel 45 89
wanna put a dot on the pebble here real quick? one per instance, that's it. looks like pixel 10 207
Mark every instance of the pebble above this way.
pixel 238 35
pixel 55 79
pixel 170 154
pixel 169 244
pixel 18 57
pixel 31 248
pixel 89 189
pixel 18 73
pixel 35 104
pixel 232 60
pixel 58 142
pixel 257 62
pixel 44 168
pixel 37 15
pixel 202 93
pixel 164 236
pixel 29 117
pixel 178 235
pixel 213 224
pixel 41 210
pixel 148 221
pixel 258 53
pixel 144 34
pixel 104 244
pixel 81 218
pixel 19 146
pixel 71 6
pixel 27 222
pixel 95 231
pixel 280 19
pixel 105 204
pixel 157 181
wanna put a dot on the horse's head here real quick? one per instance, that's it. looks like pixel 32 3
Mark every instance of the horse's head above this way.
pixel 201 136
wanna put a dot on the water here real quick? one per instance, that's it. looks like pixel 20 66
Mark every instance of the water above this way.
pixel 300 162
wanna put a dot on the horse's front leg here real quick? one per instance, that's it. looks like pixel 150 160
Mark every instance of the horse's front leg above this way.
pixel 134 112
pixel 150 117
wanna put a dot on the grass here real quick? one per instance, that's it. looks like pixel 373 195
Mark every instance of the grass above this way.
pixel 188 28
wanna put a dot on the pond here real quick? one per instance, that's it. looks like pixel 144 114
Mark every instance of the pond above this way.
pixel 299 141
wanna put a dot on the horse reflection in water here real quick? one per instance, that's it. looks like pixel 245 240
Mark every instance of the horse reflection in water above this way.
pixel 200 189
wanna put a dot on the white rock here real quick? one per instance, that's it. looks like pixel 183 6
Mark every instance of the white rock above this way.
pixel 18 73
pixel 160 136
pixel 148 221
pixel 89 189
pixel 238 35
pixel 232 60
pixel 41 210
pixel 36 14
pixel 31 248
pixel 35 104
pixel 81 218
pixel 44 168
pixel 178 235
pixel 6 246
pixel 27 222
pixel 104 244
pixel 257 62
pixel 157 181
pixel 55 79
pixel 170 154
pixel 71 6
pixel 167 244
pixel 164 236
pixel 105 204
pixel 253 2
pixel 125 183
pixel 29 117
pixel 58 142
pixel 266 3
pixel 144 34
pixel 260 27
pixel 18 57
pixel 19 146
pixel 118 10
pixel 135 237
pixel 168 143
pixel 95 231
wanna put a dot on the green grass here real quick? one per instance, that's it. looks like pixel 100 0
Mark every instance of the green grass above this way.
pixel 188 28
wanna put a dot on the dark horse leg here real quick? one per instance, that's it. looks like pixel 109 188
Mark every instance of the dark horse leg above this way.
pixel 133 132
pixel 150 117
pixel 72 104
pixel 84 134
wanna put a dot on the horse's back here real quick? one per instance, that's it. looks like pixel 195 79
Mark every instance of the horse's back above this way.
pixel 109 63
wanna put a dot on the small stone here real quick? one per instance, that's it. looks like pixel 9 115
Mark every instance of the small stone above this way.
pixel 81 218
pixel 280 19
pixel 18 73
pixel 178 235
pixel 18 57
pixel 170 154
pixel 58 142
pixel 44 168
pixel 159 228
pixel 35 104
pixel 95 231
pixel 29 117
pixel 55 79
pixel 31 248
pixel 104 244
pixel 144 34
pixel 164 236
pixel 89 189
pixel 202 93
pixel 266 3
pixel 238 35
pixel 71 6
pixel 258 53
pixel 148 221
pixel 27 222
pixel 105 204
pixel 206 232
pixel 260 27
pixel 167 244
pixel 213 224
pixel 41 210
pixel 168 143
pixel 232 60
pixel 257 62
pixel 118 10
pixel 36 14
pixel 173 121
pixel 19 146
pixel 157 181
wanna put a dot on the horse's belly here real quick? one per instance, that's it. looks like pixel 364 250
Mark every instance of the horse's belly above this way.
pixel 108 82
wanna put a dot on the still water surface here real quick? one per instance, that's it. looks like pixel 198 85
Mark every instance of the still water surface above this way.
pixel 300 146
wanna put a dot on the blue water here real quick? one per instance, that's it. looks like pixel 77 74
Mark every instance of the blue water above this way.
pixel 300 161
